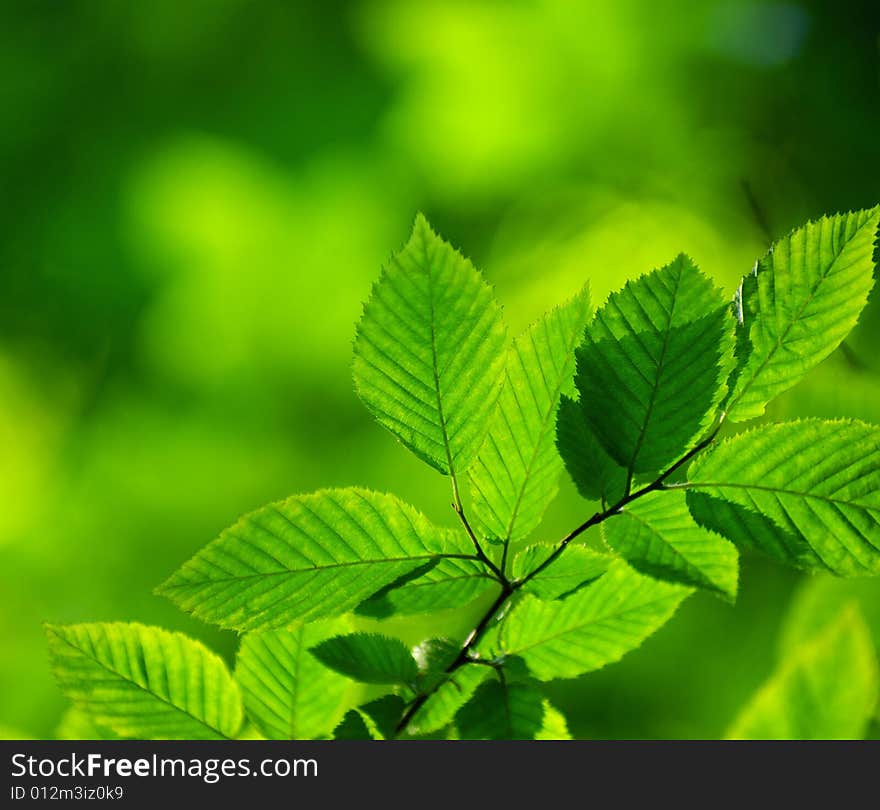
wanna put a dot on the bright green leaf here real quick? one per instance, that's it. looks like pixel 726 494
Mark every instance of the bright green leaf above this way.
pixel 595 626
pixel 826 688
pixel 368 657
pixel 440 708
pixel 499 710
pixel 308 557
pixel 516 474
pixel 597 476
pixel 429 352
pixel 656 535
pixel 145 683
pixel 806 493
pixel 287 694
pixel 651 371
pixel 798 305
pixel 554 726
pixel 573 569
pixel 450 583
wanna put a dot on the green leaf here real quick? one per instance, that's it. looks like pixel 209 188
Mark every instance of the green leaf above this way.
pixel 368 658
pixel 656 535
pixel 287 694
pixel 308 557
pixel 650 373
pixel 554 726
pixel 376 720
pixel 826 688
pixel 798 305
pixel 448 584
pixel 434 656
pixel 595 626
pixel 516 474
pixel 440 708
pixel 429 352
pixel 145 683
pixel 500 710
pixel 383 715
pixel 573 569
pixel 806 493
pixel 597 476
pixel 352 727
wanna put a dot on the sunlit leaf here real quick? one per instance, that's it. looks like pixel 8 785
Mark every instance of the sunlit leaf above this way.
pixel 595 626
pixel 440 707
pixel 308 557
pixel 806 493
pixel 144 682
pixel 445 584
pixel 801 301
pixel 287 694
pixel 517 471
pixel 575 568
pixel 656 535
pixel 429 352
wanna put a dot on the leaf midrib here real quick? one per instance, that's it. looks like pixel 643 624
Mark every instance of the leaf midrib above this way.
pixel 778 491
pixel 435 369
pixel 656 385
pixel 291 571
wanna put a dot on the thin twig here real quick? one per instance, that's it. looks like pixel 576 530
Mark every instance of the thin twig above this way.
pixel 459 510
pixel 599 517
pixel 508 588
pixel 463 657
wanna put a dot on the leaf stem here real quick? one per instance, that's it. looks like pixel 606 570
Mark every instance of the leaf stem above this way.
pixel 458 507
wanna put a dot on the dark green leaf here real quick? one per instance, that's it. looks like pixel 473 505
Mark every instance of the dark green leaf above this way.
pixel 651 371
pixel 369 658
pixel 597 476
pixel 501 711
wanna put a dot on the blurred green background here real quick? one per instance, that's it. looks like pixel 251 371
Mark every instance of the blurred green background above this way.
pixel 197 196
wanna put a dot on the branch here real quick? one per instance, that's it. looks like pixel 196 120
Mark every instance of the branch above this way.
pixel 463 657
pixel 508 588
pixel 629 497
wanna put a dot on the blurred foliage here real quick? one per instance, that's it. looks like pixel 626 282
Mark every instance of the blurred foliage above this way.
pixel 198 196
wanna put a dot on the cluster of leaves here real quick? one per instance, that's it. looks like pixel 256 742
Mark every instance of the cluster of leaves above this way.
pixel 630 400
